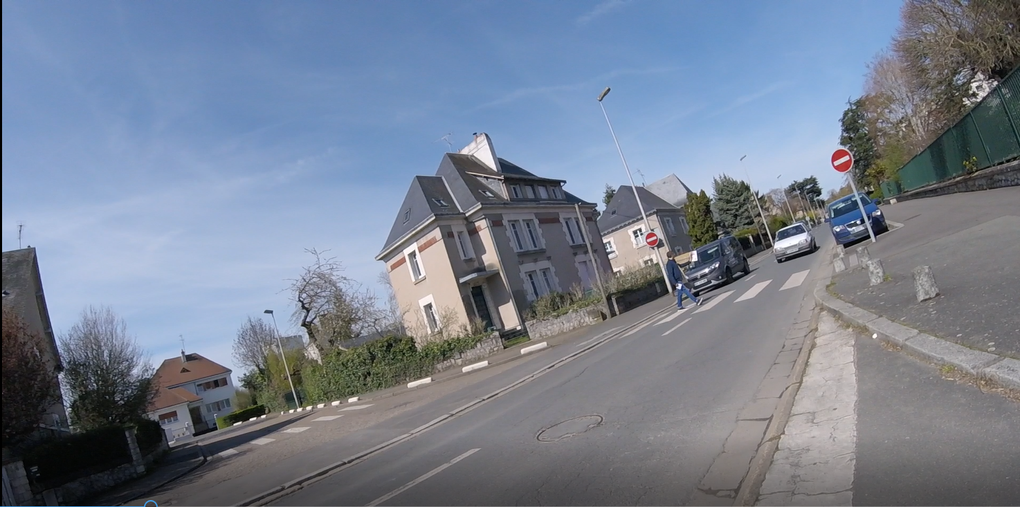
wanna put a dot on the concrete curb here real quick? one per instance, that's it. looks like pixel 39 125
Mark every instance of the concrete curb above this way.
pixel 273 494
pixel 1003 370
pixel 473 367
pixel 533 348
pixel 750 487
pixel 416 383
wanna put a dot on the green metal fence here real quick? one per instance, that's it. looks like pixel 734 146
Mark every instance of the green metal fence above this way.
pixel 988 135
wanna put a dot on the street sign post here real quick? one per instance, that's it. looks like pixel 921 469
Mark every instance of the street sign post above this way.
pixel 652 239
pixel 842 162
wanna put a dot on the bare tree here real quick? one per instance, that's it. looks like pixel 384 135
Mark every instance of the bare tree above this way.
pixel 30 385
pixel 330 307
pixel 899 110
pixel 107 376
pixel 391 316
pixel 255 340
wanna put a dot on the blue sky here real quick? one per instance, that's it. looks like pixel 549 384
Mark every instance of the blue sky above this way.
pixel 173 160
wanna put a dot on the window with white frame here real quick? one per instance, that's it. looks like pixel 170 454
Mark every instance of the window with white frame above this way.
pixel 610 247
pixel 543 192
pixel 431 318
pixel 464 245
pixel 529 191
pixel 539 279
pixel 515 190
pixel 648 261
pixel 637 235
pixel 684 225
pixel 414 264
pixel 524 234
pixel 217 406
pixel 573 229
pixel 557 192
pixel 668 222
pixel 168 418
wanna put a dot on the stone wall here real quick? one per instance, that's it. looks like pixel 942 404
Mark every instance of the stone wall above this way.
pixel 621 303
pixel 485 348
pixel 541 329
pixel 1005 175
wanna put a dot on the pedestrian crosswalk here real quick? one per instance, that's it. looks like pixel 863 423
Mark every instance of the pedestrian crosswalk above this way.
pixel 711 301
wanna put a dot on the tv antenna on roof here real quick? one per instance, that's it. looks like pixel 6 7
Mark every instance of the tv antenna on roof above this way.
pixel 21 226
pixel 182 343
pixel 446 139
pixel 642 176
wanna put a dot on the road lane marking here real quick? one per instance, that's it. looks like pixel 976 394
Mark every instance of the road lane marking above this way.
pixel 227 453
pixel 795 280
pixel 327 418
pixel 750 276
pixel 671 317
pixel 421 479
pixel 589 340
pixel 296 430
pixel 263 441
pixel 356 407
pixel 716 300
pixel 753 291
pixel 636 329
pixel 674 328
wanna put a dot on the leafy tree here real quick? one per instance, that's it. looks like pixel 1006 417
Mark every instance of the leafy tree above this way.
pixel 808 187
pixel 332 308
pixel 608 194
pixel 107 376
pixel 699 218
pixel 733 201
pixel 856 138
pixel 30 386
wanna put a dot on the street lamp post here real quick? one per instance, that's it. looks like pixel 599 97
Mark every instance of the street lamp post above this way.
pixel 762 213
pixel 283 356
pixel 786 199
pixel 644 216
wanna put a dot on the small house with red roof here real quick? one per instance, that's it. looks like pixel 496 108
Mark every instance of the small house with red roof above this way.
pixel 193 392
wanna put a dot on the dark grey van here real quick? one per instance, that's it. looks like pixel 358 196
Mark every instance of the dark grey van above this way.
pixel 715 265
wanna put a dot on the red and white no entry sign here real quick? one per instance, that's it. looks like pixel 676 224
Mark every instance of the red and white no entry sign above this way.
pixel 651 239
pixel 842 160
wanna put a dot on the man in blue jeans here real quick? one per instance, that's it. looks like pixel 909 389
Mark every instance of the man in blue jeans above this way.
pixel 676 278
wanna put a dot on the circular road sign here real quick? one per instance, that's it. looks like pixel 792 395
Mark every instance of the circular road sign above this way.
pixel 842 160
pixel 651 239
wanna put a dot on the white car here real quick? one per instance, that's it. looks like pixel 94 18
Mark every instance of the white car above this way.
pixel 794 240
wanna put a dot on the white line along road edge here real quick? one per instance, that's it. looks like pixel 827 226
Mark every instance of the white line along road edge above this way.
pixel 353 400
pixel 421 479
pixel 535 347
pixel 416 383
pixel 473 367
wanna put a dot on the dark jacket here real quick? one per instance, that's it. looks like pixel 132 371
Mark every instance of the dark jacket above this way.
pixel 676 277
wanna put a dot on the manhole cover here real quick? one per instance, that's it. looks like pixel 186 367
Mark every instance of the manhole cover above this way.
pixel 569 428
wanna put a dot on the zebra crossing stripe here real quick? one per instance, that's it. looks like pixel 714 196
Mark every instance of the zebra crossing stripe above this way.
pixel 795 280
pixel 674 328
pixel 753 291
pixel 716 300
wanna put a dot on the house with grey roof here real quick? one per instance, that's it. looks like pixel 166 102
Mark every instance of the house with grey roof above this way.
pixel 482 239
pixel 623 229
pixel 23 294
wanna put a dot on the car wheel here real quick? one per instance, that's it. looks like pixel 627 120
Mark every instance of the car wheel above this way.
pixel 747 267
pixel 729 276
pixel 778 260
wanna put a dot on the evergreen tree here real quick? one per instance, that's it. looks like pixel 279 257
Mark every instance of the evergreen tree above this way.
pixel 699 218
pixel 855 136
pixel 733 201
pixel 608 195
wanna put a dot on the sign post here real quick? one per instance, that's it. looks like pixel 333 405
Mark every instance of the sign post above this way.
pixel 652 239
pixel 842 162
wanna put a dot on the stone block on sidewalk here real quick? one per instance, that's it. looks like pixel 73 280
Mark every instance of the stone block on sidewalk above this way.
pixel 924 283
pixel 876 272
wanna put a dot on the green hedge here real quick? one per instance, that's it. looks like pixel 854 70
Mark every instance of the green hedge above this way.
pixel 378 365
pixel 239 416
pixel 149 435
pixel 56 461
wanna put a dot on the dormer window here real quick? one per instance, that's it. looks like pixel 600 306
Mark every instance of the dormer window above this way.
pixel 488 194
pixel 407 215
pixel 441 203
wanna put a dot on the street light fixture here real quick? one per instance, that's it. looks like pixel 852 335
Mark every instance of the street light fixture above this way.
pixel 283 356
pixel 644 216
pixel 786 199
pixel 755 199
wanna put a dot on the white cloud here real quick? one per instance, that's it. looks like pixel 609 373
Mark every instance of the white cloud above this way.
pixel 600 10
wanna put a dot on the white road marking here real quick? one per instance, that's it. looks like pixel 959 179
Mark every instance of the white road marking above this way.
pixel 750 276
pixel 263 441
pixel 711 304
pixel 356 407
pixel 636 329
pixel 327 418
pixel 227 453
pixel 421 479
pixel 296 430
pixel 671 317
pixel 753 291
pixel 795 280
pixel 674 328
pixel 589 340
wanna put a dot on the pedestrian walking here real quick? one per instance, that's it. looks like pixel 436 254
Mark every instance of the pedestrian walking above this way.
pixel 676 278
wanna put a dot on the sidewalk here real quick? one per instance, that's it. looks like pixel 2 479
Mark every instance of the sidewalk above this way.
pixel 971 242
pixel 181 461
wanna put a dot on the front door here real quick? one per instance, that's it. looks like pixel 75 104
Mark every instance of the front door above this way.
pixel 481 307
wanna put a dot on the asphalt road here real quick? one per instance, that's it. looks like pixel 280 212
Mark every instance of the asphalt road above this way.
pixel 638 420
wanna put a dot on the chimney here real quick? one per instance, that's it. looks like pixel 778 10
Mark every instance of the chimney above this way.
pixel 481 148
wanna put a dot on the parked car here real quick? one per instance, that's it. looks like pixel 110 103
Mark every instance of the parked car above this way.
pixel 794 240
pixel 715 263
pixel 846 221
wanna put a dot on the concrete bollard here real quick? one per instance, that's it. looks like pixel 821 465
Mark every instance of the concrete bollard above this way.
pixel 863 255
pixel 839 262
pixel 876 273
pixel 924 283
